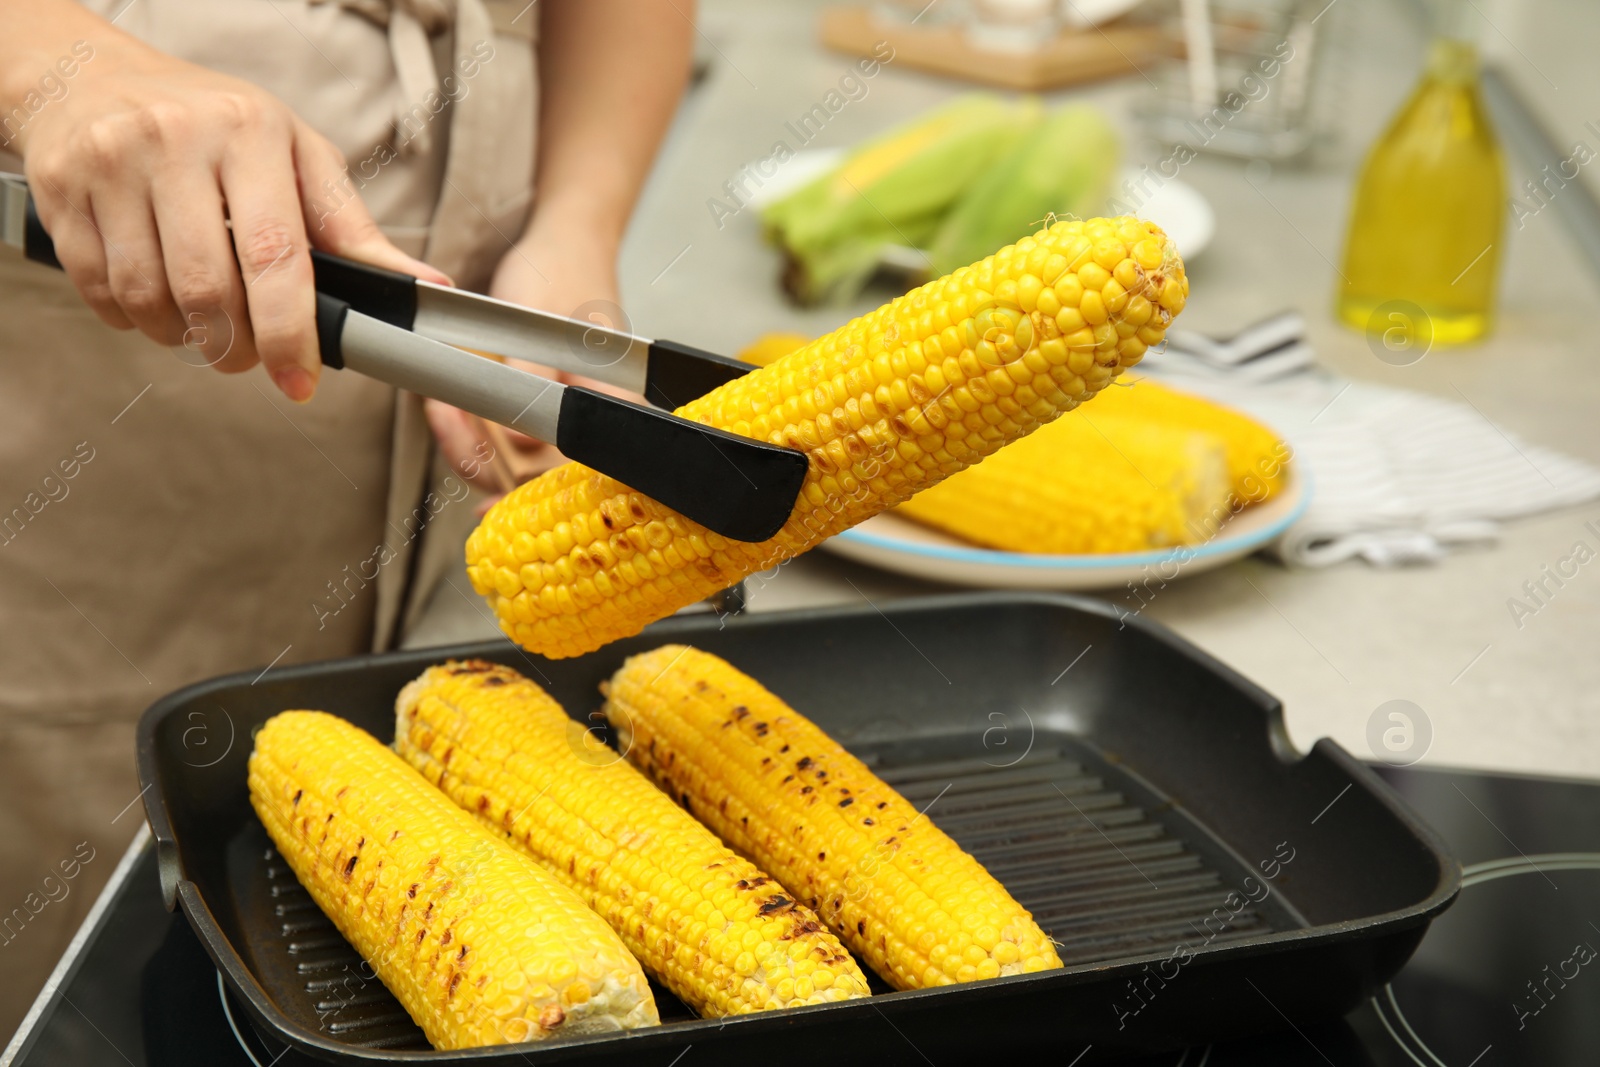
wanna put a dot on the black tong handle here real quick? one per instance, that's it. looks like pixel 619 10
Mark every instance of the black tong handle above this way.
pixel 386 295
pixel 674 373
pixel 36 244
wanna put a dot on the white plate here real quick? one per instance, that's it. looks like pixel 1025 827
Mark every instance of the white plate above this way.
pixel 1086 14
pixel 1179 209
pixel 897 544
pixel 1175 206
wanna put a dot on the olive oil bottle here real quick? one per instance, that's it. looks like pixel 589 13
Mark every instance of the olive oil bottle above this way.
pixel 1426 227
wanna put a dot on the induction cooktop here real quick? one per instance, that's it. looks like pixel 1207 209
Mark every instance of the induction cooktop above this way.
pixel 1509 975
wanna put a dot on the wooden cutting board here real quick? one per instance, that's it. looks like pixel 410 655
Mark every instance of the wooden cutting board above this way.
pixel 1073 56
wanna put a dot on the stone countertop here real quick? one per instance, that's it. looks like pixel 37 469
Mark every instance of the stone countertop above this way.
pixel 1333 644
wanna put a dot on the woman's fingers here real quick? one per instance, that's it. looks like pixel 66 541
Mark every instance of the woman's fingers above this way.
pixel 79 247
pixel 461 445
pixel 138 180
pixel 134 265
pixel 202 274
pixel 259 184
pixel 495 466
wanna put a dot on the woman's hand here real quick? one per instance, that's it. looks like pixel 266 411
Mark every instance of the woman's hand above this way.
pixel 570 274
pixel 610 74
pixel 135 173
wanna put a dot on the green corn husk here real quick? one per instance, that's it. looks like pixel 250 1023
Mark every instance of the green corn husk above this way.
pixel 1064 167
pixel 892 190
pixel 839 271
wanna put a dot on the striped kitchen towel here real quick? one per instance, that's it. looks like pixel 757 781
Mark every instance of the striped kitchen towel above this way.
pixel 1398 476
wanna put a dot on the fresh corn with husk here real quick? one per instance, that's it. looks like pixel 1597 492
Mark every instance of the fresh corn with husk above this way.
pixel 1087 483
pixel 838 270
pixel 916 170
pixel 899 891
pixel 887 405
pixel 892 190
pixel 1063 168
pixel 1258 460
pixel 479 944
pixel 713 928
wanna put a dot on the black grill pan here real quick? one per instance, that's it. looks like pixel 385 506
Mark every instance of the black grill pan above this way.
pixel 1203 880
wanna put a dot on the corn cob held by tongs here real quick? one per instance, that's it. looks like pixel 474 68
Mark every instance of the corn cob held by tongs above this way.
pixel 884 406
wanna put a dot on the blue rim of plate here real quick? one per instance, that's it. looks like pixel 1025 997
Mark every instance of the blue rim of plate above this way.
pixel 989 557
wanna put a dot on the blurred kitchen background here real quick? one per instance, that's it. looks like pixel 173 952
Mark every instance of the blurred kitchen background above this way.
pixel 1424 610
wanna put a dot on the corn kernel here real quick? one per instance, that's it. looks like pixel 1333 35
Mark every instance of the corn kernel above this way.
pixel 1109 252
pixel 1093 308
pixel 1069 290
pixel 1172 295
pixel 1047 303
pixel 1093 276
pixel 1070 320
pixel 1078 251
pixel 1115 297
pixel 1138 311
pixel 1028 288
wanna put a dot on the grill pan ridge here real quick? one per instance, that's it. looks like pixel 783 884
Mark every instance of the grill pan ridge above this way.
pixel 1143 803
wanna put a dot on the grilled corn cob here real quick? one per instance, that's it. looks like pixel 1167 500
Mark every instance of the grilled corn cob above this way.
pixel 1258 461
pixel 1088 483
pixel 771 347
pixel 901 893
pixel 720 934
pixel 886 405
pixel 479 944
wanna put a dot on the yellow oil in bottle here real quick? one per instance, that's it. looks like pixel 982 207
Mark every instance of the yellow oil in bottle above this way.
pixel 1426 225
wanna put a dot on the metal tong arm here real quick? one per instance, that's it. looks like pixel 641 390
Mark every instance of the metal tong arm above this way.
pixel 741 488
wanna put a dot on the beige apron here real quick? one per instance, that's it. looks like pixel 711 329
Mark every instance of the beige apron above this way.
pixel 161 523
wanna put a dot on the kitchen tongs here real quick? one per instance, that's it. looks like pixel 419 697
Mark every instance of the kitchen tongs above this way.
pixel 403 331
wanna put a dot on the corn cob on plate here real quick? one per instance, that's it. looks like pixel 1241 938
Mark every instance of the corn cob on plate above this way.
pixel 1086 484
pixel 480 945
pixel 895 543
pixel 1257 458
pixel 898 890
pixel 887 405
pixel 1073 535
pixel 722 935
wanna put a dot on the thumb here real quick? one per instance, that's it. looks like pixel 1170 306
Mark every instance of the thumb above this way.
pixel 337 220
